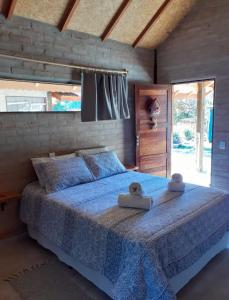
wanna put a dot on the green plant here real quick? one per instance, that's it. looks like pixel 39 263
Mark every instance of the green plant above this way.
pixel 188 135
pixel 176 138
pixel 184 109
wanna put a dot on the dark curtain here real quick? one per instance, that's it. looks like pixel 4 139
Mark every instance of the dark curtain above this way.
pixel 104 97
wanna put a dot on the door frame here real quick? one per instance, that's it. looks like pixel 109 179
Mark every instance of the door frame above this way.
pixel 194 80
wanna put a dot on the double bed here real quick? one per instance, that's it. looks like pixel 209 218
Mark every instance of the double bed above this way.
pixel 130 253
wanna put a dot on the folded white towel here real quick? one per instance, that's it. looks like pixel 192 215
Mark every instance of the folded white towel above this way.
pixel 135 201
pixel 135 188
pixel 176 184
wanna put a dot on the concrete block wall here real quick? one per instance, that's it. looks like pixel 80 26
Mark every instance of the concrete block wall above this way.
pixel 199 49
pixel 24 135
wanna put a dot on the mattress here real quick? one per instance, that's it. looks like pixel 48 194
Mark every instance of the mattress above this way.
pixel 137 253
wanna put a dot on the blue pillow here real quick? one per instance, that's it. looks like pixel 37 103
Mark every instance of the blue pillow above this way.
pixel 57 175
pixel 104 164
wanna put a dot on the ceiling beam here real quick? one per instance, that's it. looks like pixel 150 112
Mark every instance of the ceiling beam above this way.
pixel 151 22
pixel 68 13
pixel 114 21
pixel 10 10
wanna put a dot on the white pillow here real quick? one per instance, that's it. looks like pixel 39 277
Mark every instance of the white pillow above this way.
pixel 70 155
pixel 50 158
pixel 40 159
pixel 89 151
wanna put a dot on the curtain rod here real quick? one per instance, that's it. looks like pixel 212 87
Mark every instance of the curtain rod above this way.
pixel 125 72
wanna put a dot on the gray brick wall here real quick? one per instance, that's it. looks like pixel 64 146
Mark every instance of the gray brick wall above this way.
pixel 23 135
pixel 199 49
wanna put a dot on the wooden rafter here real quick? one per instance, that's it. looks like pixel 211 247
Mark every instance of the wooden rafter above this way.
pixel 151 22
pixel 68 13
pixel 114 21
pixel 10 10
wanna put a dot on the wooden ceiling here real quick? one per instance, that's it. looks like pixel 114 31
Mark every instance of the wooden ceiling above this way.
pixel 140 23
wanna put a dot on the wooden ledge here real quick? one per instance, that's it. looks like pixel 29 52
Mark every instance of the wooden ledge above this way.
pixel 132 167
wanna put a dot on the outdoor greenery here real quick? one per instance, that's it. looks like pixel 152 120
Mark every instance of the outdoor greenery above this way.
pixel 184 110
pixel 176 138
pixel 188 135
pixel 184 122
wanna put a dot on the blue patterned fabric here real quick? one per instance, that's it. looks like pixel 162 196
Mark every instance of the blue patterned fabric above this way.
pixel 137 251
pixel 104 164
pixel 56 175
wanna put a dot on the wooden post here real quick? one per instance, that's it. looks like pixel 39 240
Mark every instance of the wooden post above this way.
pixel 200 126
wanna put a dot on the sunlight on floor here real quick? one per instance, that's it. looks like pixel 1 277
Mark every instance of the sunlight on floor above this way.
pixel 184 163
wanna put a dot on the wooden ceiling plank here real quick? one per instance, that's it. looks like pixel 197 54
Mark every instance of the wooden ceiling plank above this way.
pixel 68 13
pixel 10 10
pixel 151 22
pixel 114 21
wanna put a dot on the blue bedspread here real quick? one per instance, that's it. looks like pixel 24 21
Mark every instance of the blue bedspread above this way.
pixel 136 250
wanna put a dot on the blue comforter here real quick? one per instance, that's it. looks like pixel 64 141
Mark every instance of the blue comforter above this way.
pixel 136 250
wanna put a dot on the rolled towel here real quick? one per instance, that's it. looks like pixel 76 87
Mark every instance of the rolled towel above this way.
pixel 177 177
pixel 135 188
pixel 176 184
pixel 135 201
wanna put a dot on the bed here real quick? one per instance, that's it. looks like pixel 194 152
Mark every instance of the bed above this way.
pixel 130 253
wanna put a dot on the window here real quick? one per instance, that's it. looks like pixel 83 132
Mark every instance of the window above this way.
pixel 21 96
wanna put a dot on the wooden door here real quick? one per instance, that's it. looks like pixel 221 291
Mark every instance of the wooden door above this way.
pixel 153 145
